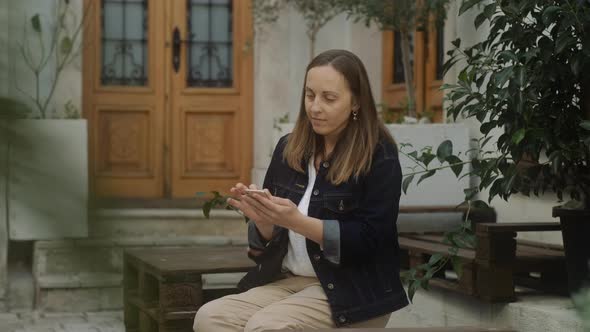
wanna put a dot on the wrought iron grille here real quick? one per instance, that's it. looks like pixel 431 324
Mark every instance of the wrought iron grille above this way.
pixel 124 25
pixel 210 43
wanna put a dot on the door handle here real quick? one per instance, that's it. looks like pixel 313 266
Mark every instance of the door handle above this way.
pixel 176 42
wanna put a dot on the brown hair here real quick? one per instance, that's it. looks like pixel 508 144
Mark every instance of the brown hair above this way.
pixel 353 153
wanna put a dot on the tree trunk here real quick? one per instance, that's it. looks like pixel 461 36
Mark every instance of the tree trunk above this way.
pixel 312 45
pixel 408 72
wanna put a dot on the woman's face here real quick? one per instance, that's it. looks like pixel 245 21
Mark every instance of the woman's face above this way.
pixel 328 101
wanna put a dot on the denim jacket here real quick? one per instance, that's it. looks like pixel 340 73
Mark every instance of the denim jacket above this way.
pixel 358 267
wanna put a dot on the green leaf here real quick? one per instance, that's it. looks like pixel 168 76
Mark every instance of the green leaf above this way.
pixel 444 150
pixel 503 76
pixel 479 204
pixel 66 45
pixel 467 4
pixel 427 158
pixel 457 168
pixel 490 10
pixel 457 265
pixel 412 289
pixel 518 136
pixel 207 209
pixel 508 55
pixel 585 124
pixel 549 14
pixel 36 23
pixel 479 20
pixel 406 183
pixel 435 259
pixel 563 42
pixel 425 176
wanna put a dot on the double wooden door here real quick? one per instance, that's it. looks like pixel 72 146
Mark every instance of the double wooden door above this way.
pixel 168 96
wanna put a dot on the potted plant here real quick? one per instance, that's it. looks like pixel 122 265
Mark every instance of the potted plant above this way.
pixel 525 85
pixel 405 16
pixel 47 149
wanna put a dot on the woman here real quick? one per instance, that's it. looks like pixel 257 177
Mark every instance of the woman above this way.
pixel 323 233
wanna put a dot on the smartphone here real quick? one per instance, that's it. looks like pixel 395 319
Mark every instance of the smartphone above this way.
pixel 258 191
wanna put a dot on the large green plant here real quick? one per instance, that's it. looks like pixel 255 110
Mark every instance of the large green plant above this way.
pixel 527 79
pixel 405 16
pixel 525 85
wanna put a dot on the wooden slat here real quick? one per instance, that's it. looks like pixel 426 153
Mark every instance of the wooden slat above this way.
pixel 433 248
pixel 430 209
pixel 196 260
pixel 550 246
pixel 517 227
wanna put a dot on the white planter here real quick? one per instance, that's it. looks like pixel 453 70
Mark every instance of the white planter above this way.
pixel 442 189
pixel 48 179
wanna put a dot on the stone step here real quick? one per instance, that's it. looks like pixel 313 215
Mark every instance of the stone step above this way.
pixel 108 223
pixel 85 292
pixel 85 274
pixel 106 255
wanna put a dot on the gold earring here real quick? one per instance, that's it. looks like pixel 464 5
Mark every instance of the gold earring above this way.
pixel 354 114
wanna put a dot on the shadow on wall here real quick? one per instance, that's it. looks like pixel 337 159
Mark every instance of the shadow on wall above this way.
pixel 44 169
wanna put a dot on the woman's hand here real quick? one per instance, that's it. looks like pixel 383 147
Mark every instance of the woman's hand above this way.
pixel 264 209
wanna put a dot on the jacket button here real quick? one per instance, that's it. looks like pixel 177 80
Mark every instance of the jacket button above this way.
pixel 326 164
pixel 330 286
pixel 342 319
pixel 316 257
pixel 316 192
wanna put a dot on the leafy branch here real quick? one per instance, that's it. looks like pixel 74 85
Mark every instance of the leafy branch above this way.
pixel 218 201
pixel 420 276
pixel 462 237
pixel 63 48
pixel 316 14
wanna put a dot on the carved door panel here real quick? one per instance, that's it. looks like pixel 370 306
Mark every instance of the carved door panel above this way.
pixel 168 96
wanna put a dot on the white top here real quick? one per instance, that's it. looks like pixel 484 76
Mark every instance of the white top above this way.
pixel 297 260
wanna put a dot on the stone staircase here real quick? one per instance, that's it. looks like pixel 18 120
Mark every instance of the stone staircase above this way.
pixel 80 275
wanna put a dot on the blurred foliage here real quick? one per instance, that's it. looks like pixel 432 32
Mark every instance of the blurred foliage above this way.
pixel 582 303
pixel 46 49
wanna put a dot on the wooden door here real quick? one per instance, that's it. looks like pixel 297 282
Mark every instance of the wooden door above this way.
pixel 211 96
pixel 160 126
pixel 427 60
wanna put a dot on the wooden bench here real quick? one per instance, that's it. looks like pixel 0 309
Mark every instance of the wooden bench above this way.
pixel 491 269
pixel 162 287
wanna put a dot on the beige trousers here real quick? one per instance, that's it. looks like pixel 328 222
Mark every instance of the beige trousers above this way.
pixel 293 303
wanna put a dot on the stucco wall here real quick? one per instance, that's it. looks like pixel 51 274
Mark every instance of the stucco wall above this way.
pixel 15 75
pixel 281 56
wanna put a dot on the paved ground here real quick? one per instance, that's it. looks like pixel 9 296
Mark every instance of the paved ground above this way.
pixel 111 321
